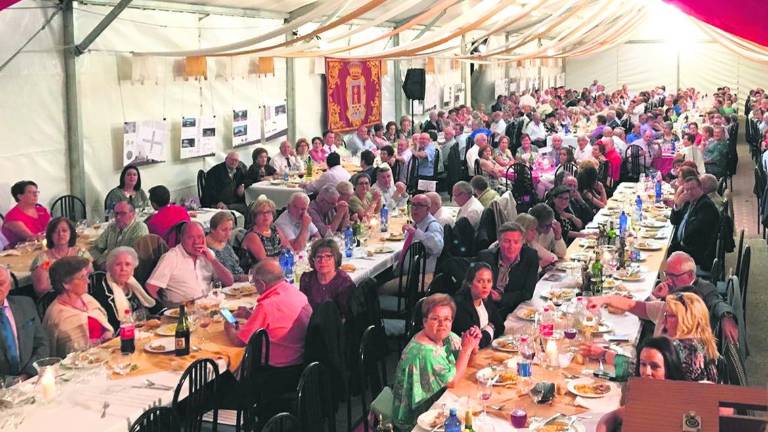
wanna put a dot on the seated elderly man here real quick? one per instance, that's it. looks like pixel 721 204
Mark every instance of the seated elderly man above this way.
pixel 696 222
pixel 549 243
pixel 392 194
pixel 425 155
pixel 716 153
pixel 335 174
pixel 123 231
pixel 285 160
pixel 481 142
pixel 329 214
pixel 360 141
pixel 709 183
pixel 583 149
pixel 450 140
pixel 296 223
pixel 469 206
pixel 24 340
pixel 485 194
pixel 535 130
pixel 225 185
pixel 437 210
pixel 679 276
pixel 186 271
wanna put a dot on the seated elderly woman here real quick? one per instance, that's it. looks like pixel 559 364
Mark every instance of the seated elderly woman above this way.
pixel 260 169
pixel 129 190
pixel 433 359
pixel 222 224
pixel 326 282
pixel 263 239
pixel 527 152
pixel 118 292
pixel 61 241
pixel 27 220
pixel 489 167
pixel 74 320
pixel 570 224
pixel 364 204
pixel 474 308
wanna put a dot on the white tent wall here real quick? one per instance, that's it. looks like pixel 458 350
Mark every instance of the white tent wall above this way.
pixel 33 125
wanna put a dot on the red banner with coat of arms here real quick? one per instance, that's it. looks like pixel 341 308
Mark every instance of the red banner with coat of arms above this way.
pixel 354 93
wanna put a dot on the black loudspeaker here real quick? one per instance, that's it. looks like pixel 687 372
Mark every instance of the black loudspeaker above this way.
pixel 415 84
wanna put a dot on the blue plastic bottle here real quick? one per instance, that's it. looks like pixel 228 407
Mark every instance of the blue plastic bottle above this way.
pixel 349 238
pixel 658 190
pixel 622 223
pixel 639 209
pixel 286 264
pixel 285 176
pixel 452 423
pixel 384 218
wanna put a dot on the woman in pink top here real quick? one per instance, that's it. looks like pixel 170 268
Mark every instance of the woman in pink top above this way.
pixel 28 219
pixel 166 215
pixel 318 152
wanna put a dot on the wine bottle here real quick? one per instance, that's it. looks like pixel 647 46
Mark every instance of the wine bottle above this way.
pixel 468 421
pixel 182 333
pixel 597 276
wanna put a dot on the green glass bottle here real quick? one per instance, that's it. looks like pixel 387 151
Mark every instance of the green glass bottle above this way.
pixel 597 275
pixel 182 333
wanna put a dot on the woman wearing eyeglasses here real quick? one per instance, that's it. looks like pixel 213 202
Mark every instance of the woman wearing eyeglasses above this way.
pixel 474 308
pixel 433 359
pixel 326 282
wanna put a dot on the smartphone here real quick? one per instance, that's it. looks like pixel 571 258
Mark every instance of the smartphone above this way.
pixel 617 338
pixel 229 317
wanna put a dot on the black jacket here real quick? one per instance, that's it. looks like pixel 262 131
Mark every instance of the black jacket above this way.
pixel 522 277
pixel 715 304
pixel 701 230
pixel 466 317
pixel 219 187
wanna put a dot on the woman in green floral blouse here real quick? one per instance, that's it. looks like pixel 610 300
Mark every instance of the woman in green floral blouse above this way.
pixel 433 359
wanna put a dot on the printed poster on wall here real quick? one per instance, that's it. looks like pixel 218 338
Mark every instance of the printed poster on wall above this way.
pixel 353 93
pixel 144 142
pixel 458 94
pixel 448 96
pixel 246 127
pixel 198 137
pixel 275 121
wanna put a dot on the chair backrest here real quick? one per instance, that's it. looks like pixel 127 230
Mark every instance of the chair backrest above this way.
pixel 740 254
pixel 199 379
pixel 463 238
pixel 172 237
pixel 149 249
pixel 412 278
pixel 415 324
pixel 571 168
pixel 255 360
pixel 200 184
pixel 44 302
pixel 70 207
pixel 437 165
pixel 635 162
pixel 313 401
pixel 283 422
pixel 478 168
pixel 522 188
pixel 412 180
pixel 453 165
pixel 442 283
pixel 324 343
pixel 486 230
pixel 396 168
pixel 156 419
pixel 744 278
pixel 373 367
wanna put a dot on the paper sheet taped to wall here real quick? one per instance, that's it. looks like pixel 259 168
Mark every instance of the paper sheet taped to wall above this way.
pixel 145 141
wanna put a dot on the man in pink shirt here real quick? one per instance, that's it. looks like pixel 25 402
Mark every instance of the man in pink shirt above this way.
pixel 166 215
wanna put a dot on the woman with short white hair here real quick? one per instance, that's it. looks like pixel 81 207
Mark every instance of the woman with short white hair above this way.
pixel 117 291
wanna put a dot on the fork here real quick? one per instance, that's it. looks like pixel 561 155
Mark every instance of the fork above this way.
pixel 104 409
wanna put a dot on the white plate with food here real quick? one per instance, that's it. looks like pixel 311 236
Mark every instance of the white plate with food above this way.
pixel 603 327
pixel 242 290
pixel 559 294
pixel 171 313
pixel 646 245
pixel 85 359
pixel 276 182
pixel 234 305
pixel 651 223
pixel 433 420
pixel 382 250
pixel 395 237
pixel 506 344
pixel 170 329
pixel 589 388
pixel 581 256
pixel 503 377
pixel 587 242
pixel 527 313
pixel 568 265
pixel 630 274
pixel 561 425
pixel 161 345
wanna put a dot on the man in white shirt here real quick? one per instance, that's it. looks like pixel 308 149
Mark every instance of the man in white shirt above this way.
pixel 329 142
pixel 550 234
pixel 618 143
pixel 286 160
pixel 583 149
pixel 296 223
pixel 481 142
pixel 185 272
pixel 536 131
pixel 404 158
pixel 392 194
pixel 360 141
pixel 469 206
pixel 335 174
pixel 498 126
pixel 527 100
pixel 437 210
pixel 445 147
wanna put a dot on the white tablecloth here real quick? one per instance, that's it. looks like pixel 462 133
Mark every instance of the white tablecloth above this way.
pixel 204 216
pixel 277 193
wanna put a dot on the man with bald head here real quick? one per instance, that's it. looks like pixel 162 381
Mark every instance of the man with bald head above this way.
pixel 22 338
pixel 329 214
pixel 425 153
pixel 285 160
pixel 225 185
pixel 360 141
pixel 436 209
pixel 186 271
pixel 679 276
pixel 481 142
pixel 296 222
pixel 124 230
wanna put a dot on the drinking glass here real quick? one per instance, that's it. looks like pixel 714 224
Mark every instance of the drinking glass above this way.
pixel 203 320
pixel 216 288
pixel 485 391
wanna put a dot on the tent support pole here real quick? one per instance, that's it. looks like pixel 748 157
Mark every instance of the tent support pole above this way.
pixel 75 153
pixel 398 81
pixel 290 93
pixel 466 74
pixel 101 26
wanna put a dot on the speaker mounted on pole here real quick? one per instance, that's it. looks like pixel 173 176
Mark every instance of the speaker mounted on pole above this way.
pixel 415 84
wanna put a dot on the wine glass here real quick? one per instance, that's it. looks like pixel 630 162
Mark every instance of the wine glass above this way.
pixel 216 288
pixel 485 391
pixel 203 320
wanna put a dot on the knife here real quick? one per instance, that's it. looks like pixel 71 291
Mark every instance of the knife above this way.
pixel 544 423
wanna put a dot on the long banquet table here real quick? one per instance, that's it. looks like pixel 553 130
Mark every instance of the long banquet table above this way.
pixel 512 396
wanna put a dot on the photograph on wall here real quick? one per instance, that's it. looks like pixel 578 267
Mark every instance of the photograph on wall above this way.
pixel 458 94
pixel 447 96
pixel 246 127
pixel 144 142
pixel 275 121
pixel 198 137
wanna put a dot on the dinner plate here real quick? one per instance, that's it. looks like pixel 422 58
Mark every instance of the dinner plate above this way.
pixel 652 224
pixel 237 291
pixel 648 246
pixel 506 377
pixel 161 345
pixel 568 265
pixel 589 388
pixel 84 360
pixel 603 327
pixel 432 420
pixel 383 250
pixel 170 329
pixel 527 313
pixel 631 277
pixel 234 305
pixel 587 242
pixel 581 256
pixel 561 294
pixel 276 182
pixel 171 313
pixel 506 344
pixel 558 425
pixel 395 237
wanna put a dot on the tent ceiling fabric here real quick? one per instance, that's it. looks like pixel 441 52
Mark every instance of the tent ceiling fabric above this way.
pixel 745 18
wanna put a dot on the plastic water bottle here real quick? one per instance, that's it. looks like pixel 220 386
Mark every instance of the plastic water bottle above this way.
pixel 639 209
pixel 349 238
pixel 547 324
pixel 286 264
pixel 622 223
pixel 384 218
pixel 658 188
pixel 526 357
pixel 580 310
pixel 285 176
pixel 452 423
pixel 674 146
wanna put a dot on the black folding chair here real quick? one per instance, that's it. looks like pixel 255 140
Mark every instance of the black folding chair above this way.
pixel 200 381
pixel 522 188
pixel 740 252
pixel 314 401
pixel 373 368
pixel 416 323
pixel 634 163
pixel 571 168
pixel 200 185
pixel 69 206
pixel 744 279
pixel 250 386
pixel 156 419
pixel 283 422
pixel 485 234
